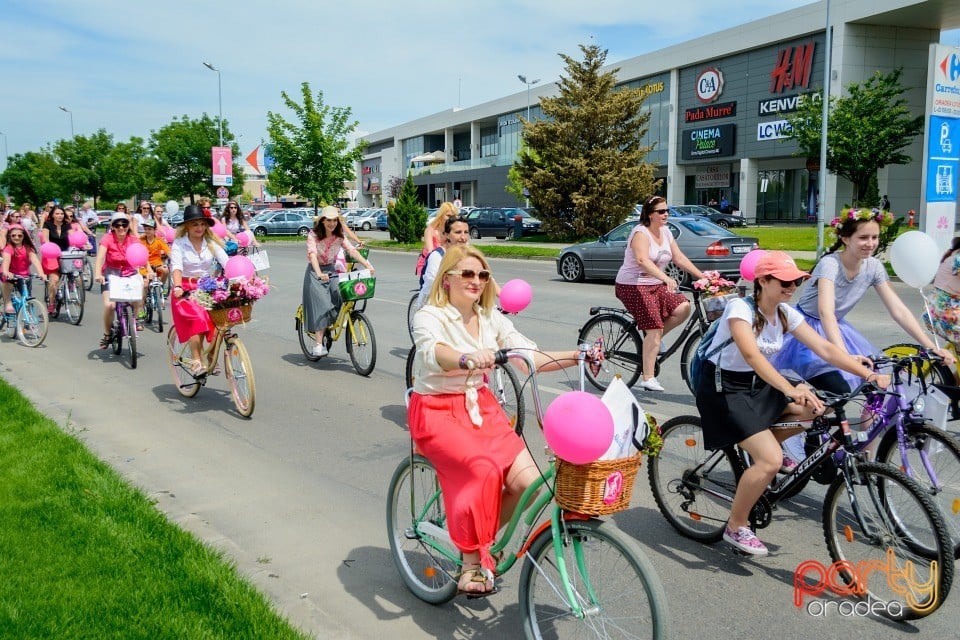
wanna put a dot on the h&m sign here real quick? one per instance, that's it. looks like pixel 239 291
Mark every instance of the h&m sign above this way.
pixel 792 68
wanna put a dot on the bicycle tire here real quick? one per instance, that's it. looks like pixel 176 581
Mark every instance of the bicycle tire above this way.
pixel 686 357
pixel 621 590
pixel 73 301
pixel 306 339
pixel 681 469
pixel 900 519
pixel 411 311
pixel 86 273
pixel 32 323
pixel 158 307
pixel 933 372
pixel 131 334
pixel 621 349
pixel 178 353
pixel 429 574
pixel 148 307
pixel 239 370
pixel 942 451
pixel 361 343
pixel 118 330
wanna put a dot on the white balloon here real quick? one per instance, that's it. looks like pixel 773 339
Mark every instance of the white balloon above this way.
pixel 915 258
pixel 171 207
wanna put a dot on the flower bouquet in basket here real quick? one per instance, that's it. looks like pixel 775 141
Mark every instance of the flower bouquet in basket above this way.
pixel 229 301
pixel 716 292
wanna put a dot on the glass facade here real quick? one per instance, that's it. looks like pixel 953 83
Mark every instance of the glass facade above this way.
pixel 657 104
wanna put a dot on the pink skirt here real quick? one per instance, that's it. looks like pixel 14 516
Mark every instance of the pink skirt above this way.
pixel 189 318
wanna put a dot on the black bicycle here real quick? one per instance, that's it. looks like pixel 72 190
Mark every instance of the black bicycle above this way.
pixel 623 343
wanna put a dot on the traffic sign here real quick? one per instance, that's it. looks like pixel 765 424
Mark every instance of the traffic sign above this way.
pixel 223 193
pixel 222 161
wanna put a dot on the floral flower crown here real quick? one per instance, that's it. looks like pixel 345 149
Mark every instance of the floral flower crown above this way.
pixel 883 218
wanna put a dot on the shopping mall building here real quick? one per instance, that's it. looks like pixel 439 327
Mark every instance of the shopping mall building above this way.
pixel 718 107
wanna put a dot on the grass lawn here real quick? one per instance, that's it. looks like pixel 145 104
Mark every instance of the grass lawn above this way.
pixel 84 555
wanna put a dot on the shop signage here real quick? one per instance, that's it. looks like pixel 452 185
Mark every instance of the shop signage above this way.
pixel 941 168
pixel 713 176
pixel 709 142
pixel 773 130
pixel 709 84
pixel 946 88
pixel 651 88
pixel 371 184
pixel 792 68
pixel 784 104
pixel 722 110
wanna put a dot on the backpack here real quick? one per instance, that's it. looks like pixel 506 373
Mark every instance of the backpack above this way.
pixel 704 352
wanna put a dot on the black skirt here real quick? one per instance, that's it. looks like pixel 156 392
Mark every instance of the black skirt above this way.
pixel 746 406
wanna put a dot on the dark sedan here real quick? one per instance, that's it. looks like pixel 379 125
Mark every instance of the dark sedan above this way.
pixel 498 222
pixel 708 246
pixel 715 216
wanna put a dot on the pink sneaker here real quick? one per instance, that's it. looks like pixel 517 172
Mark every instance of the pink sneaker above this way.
pixel 745 540
pixel 788 465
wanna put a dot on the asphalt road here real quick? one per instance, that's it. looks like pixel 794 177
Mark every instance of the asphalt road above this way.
pixel 296 494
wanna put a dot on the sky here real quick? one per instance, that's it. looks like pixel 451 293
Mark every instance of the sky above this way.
pixel 131 67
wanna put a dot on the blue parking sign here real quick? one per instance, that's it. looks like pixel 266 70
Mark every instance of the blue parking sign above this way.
pixel 943 159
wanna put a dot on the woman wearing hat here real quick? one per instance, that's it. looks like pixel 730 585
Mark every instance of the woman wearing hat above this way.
pixel 753 395
pixel 194 254
pixel 112 261
pixel 321 300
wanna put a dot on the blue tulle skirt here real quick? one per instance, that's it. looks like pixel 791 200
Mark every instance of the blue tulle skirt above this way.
pixel 797 357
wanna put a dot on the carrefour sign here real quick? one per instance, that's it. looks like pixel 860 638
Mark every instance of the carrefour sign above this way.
pixel 946 84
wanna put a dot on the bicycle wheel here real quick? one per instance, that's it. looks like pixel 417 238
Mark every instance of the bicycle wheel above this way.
pixel 306 339
pixel 505 386
pixel 422 551
pixel 74 300
pixel 621 349
pixel 361 343
pixel 612 581
pixel 178 355
pixel 118 331
pixel 408 368
pixel 131 331
pixel 686 357
pixel 934 458
pixel 693 487
pixel 879 517
pixel 411 310
pixel 87 274
pixel 239 370
pixel 148 307
pixel 932 372
pixel 158 307
pixel 32 323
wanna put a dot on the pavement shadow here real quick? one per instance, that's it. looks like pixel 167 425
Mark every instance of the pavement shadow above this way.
pixel 395 413
pixel 326 363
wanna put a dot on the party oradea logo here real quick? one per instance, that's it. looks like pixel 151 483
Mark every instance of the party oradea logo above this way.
pixel 844 578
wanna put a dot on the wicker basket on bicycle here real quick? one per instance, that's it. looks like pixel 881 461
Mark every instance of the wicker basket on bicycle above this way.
pixel 229 316
pixel 597 488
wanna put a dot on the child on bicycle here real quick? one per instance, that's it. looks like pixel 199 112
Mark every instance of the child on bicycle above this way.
pixel 456 422
pixel 19 255
pixel 752 394
pixel 157 251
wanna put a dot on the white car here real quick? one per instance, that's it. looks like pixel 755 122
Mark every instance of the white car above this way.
pixel 364 221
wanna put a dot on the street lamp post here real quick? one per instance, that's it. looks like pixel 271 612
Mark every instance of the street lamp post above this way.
pixel 219 98
pixel 65 110
pixel 529 84
pixel 824 117
pixel 6 154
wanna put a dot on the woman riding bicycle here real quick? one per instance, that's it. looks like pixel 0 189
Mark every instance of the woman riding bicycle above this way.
pixel 649 294
pixel 234 221
pixel 454 419
pixel 194 254
pixel 753 394
pixel 321 300
pixel 19 255
pixel 112 261
pixel 56 230
pixel 433 233
pixel 943 316
pixel 455 232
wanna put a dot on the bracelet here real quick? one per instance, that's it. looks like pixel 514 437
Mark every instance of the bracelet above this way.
pixel 177 287
pixel 463 361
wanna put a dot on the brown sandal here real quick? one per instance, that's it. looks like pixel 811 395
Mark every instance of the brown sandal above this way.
pixel 476 576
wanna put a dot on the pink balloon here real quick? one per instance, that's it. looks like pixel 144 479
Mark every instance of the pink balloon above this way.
pixel 169 233
pixel 243 238
pixel 137 255
pixel 77 239
pixel 241 267
pixel 50 250
pixel 749 263
pixel 515 295
pixel 219 229
pixel 578 427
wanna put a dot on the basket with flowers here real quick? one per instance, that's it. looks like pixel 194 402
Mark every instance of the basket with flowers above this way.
pixel 716 291
pixel 229 302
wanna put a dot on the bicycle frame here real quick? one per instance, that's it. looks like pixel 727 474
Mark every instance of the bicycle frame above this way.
pixel 343 321
pixel 118 316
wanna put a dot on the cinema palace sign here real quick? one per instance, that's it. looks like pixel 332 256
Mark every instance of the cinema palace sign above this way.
pixel 709 142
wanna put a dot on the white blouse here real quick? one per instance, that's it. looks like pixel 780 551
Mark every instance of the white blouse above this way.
pixel 193 264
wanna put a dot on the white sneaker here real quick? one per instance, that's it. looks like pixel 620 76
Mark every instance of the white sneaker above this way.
pixel 651 385
pixel 319 350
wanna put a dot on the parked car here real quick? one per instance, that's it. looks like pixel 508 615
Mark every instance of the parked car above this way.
pixel 365 220
pixel 382 223
pixel 281 223
pixel 498 222
pixel 708 246
pixel 715 216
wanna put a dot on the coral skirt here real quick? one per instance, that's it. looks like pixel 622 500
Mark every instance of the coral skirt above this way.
pixel 189 318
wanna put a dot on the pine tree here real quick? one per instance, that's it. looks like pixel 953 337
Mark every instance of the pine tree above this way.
pixel 583 164
pixel 408 217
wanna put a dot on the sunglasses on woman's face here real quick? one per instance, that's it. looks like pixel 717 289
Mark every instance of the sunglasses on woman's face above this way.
pixel 786 284
pixel 14 236
pixel 120 224
pixel 470 274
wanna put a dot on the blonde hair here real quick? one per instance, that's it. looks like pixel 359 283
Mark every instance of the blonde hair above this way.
pixel 208 233
pixel 446 210
pixel 452 256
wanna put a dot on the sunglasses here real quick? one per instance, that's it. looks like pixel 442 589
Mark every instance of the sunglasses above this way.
pixel 661 211
pixel 470 274
pixel 14 236
pixel 120 224
pixel 788 283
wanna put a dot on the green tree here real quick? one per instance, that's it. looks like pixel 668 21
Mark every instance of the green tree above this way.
pixel 184 166
pixel 867 129
pixel 408 218
pixel 32 177
pixel 583 164
pixel 81 161
pixel 313 158
pixel 130 169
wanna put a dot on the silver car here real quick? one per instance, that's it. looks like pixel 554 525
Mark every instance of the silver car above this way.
pixel 708 246
pixel 281 222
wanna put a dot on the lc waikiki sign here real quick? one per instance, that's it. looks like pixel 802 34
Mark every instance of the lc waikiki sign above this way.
pixel 941 144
